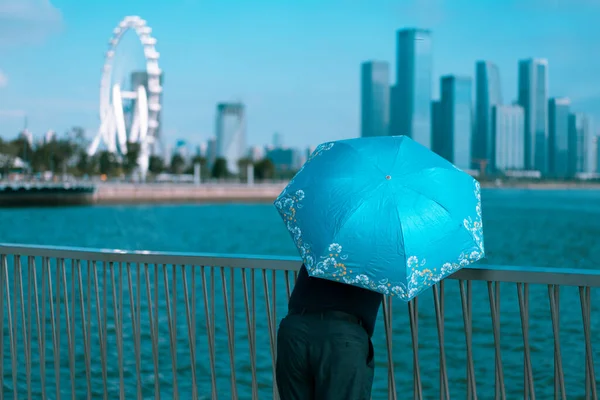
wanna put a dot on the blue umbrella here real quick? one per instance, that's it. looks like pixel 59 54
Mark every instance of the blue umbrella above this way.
pixel 383 213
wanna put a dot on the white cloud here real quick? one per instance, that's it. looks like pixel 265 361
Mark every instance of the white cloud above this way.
pixel 3 79
pixel 28 21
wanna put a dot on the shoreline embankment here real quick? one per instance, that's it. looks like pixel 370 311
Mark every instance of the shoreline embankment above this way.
pixel 107 193
pixel 104 193
pixel 124 193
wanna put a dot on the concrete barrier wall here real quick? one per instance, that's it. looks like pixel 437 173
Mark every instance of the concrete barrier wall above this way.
pixel 169 193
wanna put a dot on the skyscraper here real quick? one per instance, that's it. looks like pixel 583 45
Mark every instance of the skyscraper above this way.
pixel 581 152
pixel 211 152
pixel 456 120
pixel 533 97
pixel 277 140
pixel 411 97
pixel 437 133
pixel 374 98
pixel 558 138
pixel 508 131
pixel 231 134
pixel 597 143
pixel 590 153
pixel 487 95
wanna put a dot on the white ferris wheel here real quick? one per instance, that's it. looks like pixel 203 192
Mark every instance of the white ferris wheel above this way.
pixel 114 131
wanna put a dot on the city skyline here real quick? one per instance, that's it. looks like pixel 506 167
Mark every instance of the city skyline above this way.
pixel 278 95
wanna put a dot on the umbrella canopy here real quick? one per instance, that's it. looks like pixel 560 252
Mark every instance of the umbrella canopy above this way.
pixel 383 213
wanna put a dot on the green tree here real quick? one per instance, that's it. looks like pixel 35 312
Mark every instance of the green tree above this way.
pixel 198 160
pixel 177 164
pixel 156 165
pixel 21 148
pixel 7 156
pixel 130 163
pixel 108 164
pixel 243 167
pixel 264 169
pixel 86 165
pixel 219 170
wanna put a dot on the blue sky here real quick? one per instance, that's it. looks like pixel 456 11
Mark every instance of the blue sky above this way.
pixel 295 64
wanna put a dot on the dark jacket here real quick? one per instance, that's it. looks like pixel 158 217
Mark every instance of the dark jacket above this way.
pixel 318 295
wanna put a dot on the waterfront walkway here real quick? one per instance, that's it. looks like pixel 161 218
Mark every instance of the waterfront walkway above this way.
pixel 110 324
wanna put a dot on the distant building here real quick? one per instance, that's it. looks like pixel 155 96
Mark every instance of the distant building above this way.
pixel 582 154
pixel 374 99
pixel 456 120
pixel 231 134
pixel 256 153
pixel 182 149
pixel 27 136
pixel 508 133
pixel 410 106
pixel 277 140
pixel 597 143
pixel 533 97
pixel 50 136
pixel 211 152
pixel 591 155
pixel 488 94
pixel 201 150
pixel 437 133
pixel 558 138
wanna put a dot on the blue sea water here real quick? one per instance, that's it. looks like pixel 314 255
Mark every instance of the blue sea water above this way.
pixel 528 228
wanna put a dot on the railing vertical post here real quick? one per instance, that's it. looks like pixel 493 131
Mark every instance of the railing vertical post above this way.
pixel 101 337
pixel 28 338
pixel 494 297
pixel 209 334
pixel 42 329
pixel 438 302
pixel 15 325
pixel 523 295
pixel 84 322
pixel 466 300
pixel 3 278
pixel 413 313
pixel 271 329
pixel 585 300
pixel 387 321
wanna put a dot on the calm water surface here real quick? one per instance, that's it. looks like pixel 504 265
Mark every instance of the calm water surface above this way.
pixel 538 228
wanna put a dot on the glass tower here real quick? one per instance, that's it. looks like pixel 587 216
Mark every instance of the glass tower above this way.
pixel 411 96
pixel 456 114
pixel 533 97
pixel 558 138
pixel 374 99
pixel 231 134
pixel 509 138
pixel 487 95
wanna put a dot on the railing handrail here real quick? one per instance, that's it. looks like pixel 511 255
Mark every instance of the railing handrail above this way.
pixel 476 272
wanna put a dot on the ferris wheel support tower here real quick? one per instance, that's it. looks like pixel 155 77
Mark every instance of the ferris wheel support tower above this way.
pixel 147 99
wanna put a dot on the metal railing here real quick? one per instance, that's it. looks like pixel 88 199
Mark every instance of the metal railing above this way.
pixel 81 323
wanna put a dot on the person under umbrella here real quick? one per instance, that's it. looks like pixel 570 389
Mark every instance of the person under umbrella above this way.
pixel 369 217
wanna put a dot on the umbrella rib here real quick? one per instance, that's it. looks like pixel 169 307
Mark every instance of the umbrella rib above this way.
pixel 401 234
